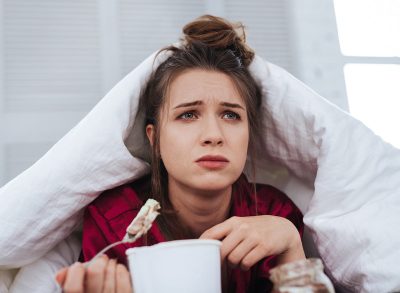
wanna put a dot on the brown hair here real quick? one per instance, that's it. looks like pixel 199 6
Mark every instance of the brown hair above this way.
pixel 209 43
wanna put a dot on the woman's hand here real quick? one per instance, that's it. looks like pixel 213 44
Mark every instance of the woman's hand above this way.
pixel 247 240
pixel 101 276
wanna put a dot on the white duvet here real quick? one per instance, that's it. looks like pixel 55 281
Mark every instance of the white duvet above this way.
pixel 344 178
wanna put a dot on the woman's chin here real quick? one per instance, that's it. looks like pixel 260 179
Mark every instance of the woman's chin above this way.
pixel 210 183
pixel 213 185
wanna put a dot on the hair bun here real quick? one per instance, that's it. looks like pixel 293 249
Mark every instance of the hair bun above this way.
pixel 219 33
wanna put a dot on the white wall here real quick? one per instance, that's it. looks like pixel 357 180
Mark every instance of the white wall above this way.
pixel 319 62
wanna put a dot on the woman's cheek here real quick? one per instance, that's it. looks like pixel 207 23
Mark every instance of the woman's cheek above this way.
pixel 174 149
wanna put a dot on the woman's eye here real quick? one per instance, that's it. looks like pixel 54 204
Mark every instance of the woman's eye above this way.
pixel 231 116
pixel 187 116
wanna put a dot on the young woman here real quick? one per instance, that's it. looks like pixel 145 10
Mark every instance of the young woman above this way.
pixel 203 119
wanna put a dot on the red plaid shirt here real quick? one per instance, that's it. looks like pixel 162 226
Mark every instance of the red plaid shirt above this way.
pixel 107 218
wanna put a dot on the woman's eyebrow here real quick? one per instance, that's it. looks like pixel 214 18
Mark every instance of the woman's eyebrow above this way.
pixel 231 105
pixel 190 104
pixel 197 103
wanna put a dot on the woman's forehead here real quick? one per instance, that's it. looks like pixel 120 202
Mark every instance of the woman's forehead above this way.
pixel 205 86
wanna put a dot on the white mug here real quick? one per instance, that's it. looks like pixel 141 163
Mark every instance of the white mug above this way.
pixel 187 266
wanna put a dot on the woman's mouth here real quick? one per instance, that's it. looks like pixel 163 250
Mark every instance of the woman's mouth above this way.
pixel 212 162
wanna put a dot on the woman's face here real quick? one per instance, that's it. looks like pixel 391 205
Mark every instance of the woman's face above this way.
pixel 204 131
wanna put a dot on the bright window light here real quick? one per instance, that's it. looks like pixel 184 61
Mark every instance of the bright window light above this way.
pixel 368 27
pixel 374 97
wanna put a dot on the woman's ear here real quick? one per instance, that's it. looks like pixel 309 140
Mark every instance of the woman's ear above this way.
pixel 150 133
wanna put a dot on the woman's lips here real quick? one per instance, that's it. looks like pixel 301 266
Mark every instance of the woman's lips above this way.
pixel 212 162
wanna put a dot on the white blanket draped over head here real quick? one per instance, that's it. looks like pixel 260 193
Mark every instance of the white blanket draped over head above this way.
pixel 344 178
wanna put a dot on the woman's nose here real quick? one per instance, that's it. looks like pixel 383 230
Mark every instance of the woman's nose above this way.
pixel 212 133
pixel 213 141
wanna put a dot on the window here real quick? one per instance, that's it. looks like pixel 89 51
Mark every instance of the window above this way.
pixel 369 39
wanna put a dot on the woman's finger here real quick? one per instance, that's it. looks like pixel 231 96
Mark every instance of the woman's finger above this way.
pixel 239 252
pixel 74 281
pixel 61 275
pixel 95 273
pixel 220 231
pixel 254 256
pixel 123 281
pixel 230 242
pixel 110 275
